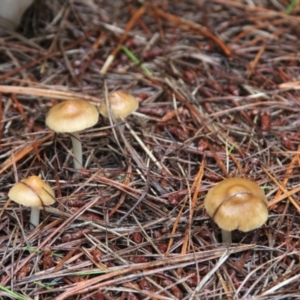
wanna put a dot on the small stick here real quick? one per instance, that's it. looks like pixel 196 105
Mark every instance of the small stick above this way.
pixel 152 157
pixel 63 95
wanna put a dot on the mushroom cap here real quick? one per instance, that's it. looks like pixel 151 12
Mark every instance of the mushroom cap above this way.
pixel 33 192
pixel 72 115
pixel 122 104
pixel 237 203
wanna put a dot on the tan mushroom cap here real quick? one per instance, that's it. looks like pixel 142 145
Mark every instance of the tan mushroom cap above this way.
pixel 122 104
pixel 237 203
pixel 33 192
pixel 72 115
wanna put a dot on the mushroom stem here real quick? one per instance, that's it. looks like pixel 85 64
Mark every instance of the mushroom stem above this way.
pixel 121 125
pixel 77 150
pixel 226 237
pixel 34 217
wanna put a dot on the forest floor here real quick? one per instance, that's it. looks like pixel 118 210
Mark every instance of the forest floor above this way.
pixel 218 89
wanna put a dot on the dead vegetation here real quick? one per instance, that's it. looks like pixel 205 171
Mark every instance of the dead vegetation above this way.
pixel 218 85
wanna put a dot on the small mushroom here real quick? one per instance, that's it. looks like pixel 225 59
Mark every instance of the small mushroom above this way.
pixel 122 105
pixel 236 203
pixel 73 116
pixel 33 192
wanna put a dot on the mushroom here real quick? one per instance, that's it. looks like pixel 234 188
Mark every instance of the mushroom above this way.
pixel 236 203
pixel 11 12
pixel 122 105
pixel 33 192
pixel 72 116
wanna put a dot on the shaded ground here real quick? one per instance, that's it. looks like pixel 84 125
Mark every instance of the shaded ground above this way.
pixel 218 87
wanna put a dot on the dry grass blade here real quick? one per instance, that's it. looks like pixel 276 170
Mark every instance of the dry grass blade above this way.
pixel 174 261
pixel 193 26
pixel 46 93
pixel 22 152
pixel 128 27
pixel 221 261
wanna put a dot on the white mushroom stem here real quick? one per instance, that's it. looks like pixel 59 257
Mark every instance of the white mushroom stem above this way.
pixel 121 124
pixel 34 217
pixel 77 150
pixel 226 237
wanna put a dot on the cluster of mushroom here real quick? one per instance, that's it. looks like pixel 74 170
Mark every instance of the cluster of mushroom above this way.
pixel 70 116
pixel 236 203
pixel 76 115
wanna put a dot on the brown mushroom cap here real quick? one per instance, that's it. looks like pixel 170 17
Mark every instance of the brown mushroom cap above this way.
pixel 72 115
pixel 122 104
pixel 237 203
pixel 33 192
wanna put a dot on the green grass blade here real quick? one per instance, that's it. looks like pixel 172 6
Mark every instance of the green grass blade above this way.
pixel 291 7
pixel 13 294
pixel 136 60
